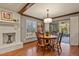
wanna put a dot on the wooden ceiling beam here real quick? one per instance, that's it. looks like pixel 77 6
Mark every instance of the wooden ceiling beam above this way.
pixel 32 17
pixel 27 6
pixel 65 15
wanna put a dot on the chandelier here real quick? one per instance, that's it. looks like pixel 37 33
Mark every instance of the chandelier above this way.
pixel 48 19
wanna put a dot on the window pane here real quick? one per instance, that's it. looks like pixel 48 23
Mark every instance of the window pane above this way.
pixel 31 25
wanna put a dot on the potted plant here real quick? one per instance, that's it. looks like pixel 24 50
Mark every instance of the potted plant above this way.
pixel 14 20
pixel 47 33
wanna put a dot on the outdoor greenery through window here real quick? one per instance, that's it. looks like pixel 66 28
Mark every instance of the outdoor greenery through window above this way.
pixel 31 25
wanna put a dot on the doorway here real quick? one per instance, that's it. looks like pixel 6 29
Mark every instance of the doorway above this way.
pixel 59 26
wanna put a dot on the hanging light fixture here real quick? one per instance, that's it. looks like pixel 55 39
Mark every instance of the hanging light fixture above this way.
pixel 47 20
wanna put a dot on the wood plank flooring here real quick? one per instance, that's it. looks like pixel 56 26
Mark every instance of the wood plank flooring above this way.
pixel 30 49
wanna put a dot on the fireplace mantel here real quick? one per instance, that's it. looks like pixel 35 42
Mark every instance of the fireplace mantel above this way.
pixel 8 22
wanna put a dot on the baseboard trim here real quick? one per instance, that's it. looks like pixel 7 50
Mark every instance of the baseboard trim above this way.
pixel 30 42
pixel 74 45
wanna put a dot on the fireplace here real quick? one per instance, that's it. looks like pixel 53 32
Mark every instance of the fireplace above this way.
pixel 8 38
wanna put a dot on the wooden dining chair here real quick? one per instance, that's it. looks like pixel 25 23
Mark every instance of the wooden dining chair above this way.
pixel 58 43
pixel 41 42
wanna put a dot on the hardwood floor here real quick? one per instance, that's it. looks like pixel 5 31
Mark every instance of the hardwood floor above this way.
pixel 30 49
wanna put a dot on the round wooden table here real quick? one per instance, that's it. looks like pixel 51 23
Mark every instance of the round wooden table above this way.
pixel 49 39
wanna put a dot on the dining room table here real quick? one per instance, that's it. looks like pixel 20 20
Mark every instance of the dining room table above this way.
pixel 49 38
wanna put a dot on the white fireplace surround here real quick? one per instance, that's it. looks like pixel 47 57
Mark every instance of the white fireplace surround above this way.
pixel 12 46
pixel 10 27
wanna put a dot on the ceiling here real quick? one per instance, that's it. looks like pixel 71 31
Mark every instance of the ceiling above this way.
pixel 12 6
pixel 55 9
pixel 38 10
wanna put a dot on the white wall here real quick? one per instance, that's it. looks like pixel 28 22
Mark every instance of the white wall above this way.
pixel 74 31
pixel 46 27
pixel 23 28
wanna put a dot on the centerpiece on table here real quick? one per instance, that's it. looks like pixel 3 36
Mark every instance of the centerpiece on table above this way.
pixel 47 33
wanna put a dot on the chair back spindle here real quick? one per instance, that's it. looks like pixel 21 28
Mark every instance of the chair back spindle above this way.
pixel 60 37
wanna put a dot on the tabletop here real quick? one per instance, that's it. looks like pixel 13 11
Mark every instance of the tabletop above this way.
pixel 48 37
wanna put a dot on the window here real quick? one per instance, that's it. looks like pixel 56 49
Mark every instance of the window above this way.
pixel 31 25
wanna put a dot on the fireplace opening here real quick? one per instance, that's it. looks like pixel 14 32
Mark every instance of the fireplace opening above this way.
pixel 8 38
